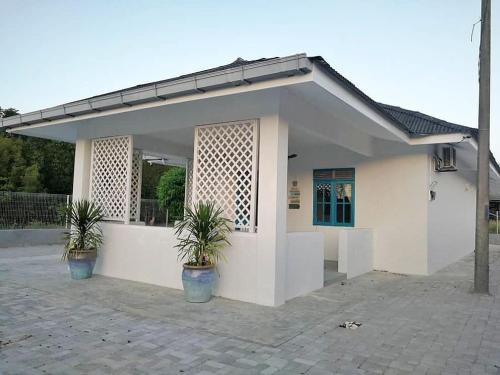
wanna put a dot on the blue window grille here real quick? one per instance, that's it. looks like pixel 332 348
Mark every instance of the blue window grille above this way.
pixel 333 202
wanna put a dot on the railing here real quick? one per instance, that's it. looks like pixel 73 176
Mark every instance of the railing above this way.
pixel 494 222
pixel 32 210
pixel 40 210
pixel 152 214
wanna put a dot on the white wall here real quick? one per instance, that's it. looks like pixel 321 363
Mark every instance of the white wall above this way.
pixel 355 251
pixel 301 169
pixel 451 224
pixel 238 275
pixel 147 254
pixel 139 253
pixel 304 263
pixel 390 198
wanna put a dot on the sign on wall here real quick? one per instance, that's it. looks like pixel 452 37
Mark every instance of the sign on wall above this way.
pixel 294 196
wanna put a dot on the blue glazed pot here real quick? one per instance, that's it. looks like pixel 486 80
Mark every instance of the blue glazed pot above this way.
pixel 198 282
pixel 81 263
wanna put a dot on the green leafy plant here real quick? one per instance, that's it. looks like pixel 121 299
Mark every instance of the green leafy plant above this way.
pixel 170 192
pixel 202 235
pixel 85 234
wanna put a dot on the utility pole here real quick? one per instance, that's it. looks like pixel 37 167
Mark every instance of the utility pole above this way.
pixel 481 267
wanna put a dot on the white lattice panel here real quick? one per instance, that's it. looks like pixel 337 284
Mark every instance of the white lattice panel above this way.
pixel 225 169
pixel 135 186
pixel 111 176
pixel 189 184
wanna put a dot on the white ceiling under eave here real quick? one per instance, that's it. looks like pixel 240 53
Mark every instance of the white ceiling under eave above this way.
pixel 305 104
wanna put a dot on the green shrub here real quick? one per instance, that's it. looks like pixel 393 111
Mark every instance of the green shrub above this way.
pixel 170 192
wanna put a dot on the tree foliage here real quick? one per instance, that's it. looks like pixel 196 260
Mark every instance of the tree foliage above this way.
pixel 7 112
pixel 39 165
pixel 170 192
pixel 151 174
pixel 33 164
pixel 31 179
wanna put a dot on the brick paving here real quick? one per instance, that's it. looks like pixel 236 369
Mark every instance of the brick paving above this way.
pixel 50 324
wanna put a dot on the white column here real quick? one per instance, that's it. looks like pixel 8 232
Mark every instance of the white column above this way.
pixel 81 173
pixel 272 226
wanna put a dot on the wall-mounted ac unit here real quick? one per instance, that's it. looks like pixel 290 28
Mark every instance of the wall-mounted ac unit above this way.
pixel 448 160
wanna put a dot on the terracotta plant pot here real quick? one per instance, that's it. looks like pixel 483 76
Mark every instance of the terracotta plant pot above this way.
pixel 81 263
pixel 198 282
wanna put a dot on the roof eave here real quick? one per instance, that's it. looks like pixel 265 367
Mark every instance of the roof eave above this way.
pixel 162 90
pixel 344 82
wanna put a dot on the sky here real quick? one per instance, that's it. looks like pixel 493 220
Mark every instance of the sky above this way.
pixel 414 54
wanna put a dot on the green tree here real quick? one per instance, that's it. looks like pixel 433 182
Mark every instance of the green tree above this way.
pixel 21 158
pixel 170 192
pixel 151 174
pixel 31 179
pixel 12 164
pixel 55 163
pixel 7 112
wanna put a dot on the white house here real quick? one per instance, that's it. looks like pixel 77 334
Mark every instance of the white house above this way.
pixel 306 165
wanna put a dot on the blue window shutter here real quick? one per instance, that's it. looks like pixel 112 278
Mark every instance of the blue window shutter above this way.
pixel 327 209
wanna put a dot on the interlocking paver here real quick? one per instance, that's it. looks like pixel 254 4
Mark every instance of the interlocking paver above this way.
pixel 50 324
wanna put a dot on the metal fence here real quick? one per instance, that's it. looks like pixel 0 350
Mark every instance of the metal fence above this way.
pixel 32 210
pixel 152 214
pixel 39 210
pixel 494 222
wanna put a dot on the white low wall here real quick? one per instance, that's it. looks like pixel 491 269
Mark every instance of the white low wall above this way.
pixel 140 253
pixel 355 251
pixel 147 254
pixel 238 276
pixel 305 260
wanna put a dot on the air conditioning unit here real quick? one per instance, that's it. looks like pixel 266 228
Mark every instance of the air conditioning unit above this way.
pixel 448 160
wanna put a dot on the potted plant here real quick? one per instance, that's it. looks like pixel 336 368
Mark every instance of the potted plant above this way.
pixel 83 239
pixel 202 235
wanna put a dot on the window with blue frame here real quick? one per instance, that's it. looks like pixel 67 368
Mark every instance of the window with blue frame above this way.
pixel 334 197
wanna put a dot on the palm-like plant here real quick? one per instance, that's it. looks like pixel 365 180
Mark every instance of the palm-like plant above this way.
pixel 202 234
pixel 85 233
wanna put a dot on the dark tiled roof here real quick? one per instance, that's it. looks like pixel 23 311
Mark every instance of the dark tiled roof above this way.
pixel 412 122
pixel 421 124
pixel 356 91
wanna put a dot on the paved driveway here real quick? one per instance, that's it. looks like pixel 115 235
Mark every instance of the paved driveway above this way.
pixel 50 324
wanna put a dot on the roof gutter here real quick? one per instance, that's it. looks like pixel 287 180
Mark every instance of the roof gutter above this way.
pixel 438 138
pixel 159 91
